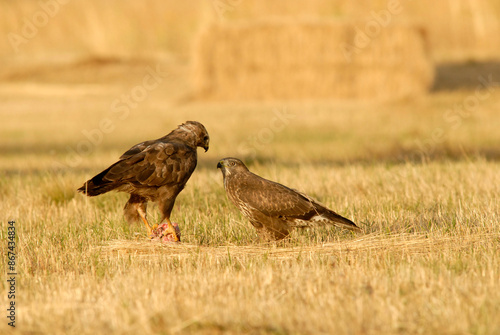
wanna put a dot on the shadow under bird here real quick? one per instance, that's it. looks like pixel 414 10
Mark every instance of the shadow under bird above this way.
pixel 274 209
pixel 155 170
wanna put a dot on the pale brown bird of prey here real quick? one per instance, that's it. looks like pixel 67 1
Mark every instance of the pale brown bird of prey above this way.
pixel 155 170
pixel 272 208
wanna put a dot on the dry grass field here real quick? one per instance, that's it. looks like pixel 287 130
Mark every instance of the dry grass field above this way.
pixel 421 177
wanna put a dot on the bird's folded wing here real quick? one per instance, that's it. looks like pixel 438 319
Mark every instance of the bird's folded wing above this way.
pixel 276 200
pixel 137 149
pixel 156 165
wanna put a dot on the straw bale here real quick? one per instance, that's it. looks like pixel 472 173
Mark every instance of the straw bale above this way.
pixel 310 59
pixel 459 30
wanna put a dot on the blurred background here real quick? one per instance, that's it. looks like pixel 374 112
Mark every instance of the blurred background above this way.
pixel 374 79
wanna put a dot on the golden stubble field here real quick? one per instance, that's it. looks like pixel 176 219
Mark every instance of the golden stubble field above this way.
pixel 427 261
pixel 420 177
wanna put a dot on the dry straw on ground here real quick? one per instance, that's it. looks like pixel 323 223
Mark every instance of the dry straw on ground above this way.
pixel 304 59
pixel 375 243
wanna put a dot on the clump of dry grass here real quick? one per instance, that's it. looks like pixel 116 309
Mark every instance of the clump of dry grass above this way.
pixel 309 59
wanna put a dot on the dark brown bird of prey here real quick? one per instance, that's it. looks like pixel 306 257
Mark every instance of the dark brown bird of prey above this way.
pixel 155 170
pixel 272 208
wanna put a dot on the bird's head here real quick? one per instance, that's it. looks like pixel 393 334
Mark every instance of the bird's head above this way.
pixel 197 132
pixel 230 165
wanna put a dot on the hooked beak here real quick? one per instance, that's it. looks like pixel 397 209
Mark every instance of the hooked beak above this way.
pixel 206 148
pixel 219 165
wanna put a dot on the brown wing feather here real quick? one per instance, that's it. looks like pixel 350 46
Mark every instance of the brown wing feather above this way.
pixel 137 148
pixel 278 201
pixel 156 165
pixel 272 199
pixel 159 164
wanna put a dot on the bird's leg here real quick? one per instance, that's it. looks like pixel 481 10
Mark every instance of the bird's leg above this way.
pixel 142 214
pixel 170 230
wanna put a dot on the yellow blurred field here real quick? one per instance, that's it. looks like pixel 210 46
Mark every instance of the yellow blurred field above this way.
pixel 419 176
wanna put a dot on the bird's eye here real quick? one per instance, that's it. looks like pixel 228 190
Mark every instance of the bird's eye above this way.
pixel 232 163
